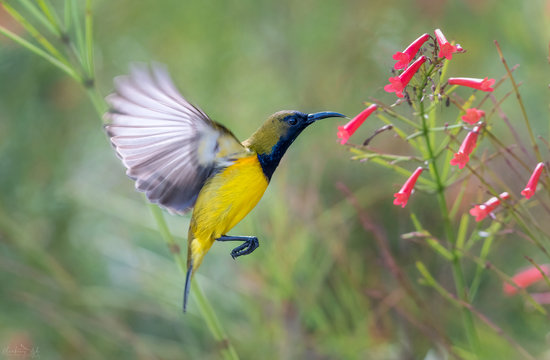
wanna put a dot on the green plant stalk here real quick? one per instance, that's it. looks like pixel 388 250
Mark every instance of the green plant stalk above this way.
pixel 34 33
pixel 89 39
pixel 206 309
pixel 47 9
pixel 36 50
pixel 38 16
pixel 520 101
pixel 458 275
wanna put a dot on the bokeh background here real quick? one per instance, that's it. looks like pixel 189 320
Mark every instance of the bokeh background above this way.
pixel 84 273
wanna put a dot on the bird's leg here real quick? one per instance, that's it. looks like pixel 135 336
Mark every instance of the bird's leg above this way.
pixel 250 243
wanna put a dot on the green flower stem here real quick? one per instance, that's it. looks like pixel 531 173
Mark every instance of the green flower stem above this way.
pixel 36 50
pixel 520 101
pixel 205 308
pixel 458 275
pixel 84 59
pixel 89 39
pixel 34 32
pixel 37 15
pixel 47 9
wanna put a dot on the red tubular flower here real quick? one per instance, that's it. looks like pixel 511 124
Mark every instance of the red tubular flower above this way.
pixel 479 84
pixel 533 181
pixel 405 57
pixel 402 196
pixel 473 115
pixel 483 210
pixel 398 83
pixel 446 50
pixel 462 157
pixel 526 278
pixel 344 132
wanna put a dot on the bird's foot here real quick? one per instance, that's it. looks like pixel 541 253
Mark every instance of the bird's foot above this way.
pixel 250 243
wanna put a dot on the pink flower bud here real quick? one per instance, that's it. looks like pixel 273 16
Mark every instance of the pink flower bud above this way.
pixel 405 57
pixel 526 278
pixel 479 84
pixel 483 210
pixel 462 157
pixel 398 83
pixel 344 132
pixel 533 181
pixel 446 50
pixel 473 115
pixel 402 196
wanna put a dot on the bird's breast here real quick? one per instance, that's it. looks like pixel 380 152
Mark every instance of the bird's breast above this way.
pixel 227 198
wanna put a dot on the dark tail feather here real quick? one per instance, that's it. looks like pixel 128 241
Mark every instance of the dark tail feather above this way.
pixel 187 285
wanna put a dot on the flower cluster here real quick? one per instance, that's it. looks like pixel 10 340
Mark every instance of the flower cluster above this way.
pixel 415 59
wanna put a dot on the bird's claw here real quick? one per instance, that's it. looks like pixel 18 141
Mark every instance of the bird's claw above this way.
pixel 245 248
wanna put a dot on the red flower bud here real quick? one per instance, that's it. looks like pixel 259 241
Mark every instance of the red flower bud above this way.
pixel 398 83
pixel 483 210
pixel 405 57
pixel 533 181
pixel 446 50
pixel 526 278
pixel 344 132
pixel 473 115
pixel 402 196
pixel 462 157
pixel 479 84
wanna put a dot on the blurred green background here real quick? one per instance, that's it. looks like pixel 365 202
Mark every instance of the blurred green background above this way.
pixel 83 272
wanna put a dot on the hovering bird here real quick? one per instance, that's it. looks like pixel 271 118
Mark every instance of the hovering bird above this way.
pixel 182 160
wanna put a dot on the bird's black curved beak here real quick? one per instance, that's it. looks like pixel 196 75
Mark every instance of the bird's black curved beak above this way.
pixel 311 118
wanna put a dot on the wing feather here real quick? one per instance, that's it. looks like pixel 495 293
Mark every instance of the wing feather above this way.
pixel 168 146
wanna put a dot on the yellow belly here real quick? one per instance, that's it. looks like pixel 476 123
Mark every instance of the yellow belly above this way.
pixel 224 201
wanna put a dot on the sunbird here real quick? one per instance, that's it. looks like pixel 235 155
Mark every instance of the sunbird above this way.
pixel 182 160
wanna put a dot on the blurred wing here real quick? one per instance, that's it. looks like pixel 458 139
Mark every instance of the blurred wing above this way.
pixel 168 146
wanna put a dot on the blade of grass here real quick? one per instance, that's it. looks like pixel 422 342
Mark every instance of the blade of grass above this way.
pixel 80 52
pixel 520 101
pixel 47 9
pixel 89 39
pixel 36 50
pixel 493 229
pixel 228 351
pixel 38 16
pixel 35 33
pixel 453 299
pixel 67 15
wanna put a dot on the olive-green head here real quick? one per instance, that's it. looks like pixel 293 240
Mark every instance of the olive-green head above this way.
pixel 278 132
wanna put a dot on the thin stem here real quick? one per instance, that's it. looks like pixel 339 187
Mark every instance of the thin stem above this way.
pixel 458 275
pixel 89 39
pixel 50 15
pixel 520 101
pixel 207 311
pixel 205 308
pixel 86 56
pixel 38 16
pixel 34 32
pixel 36 50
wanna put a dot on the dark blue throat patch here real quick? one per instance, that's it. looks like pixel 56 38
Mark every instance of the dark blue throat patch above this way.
pixel 270 161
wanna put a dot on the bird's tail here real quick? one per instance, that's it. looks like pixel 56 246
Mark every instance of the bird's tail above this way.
pixel 196 250
pixel 187 284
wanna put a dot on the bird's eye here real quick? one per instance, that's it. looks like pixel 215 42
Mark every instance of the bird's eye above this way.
pixel 292 121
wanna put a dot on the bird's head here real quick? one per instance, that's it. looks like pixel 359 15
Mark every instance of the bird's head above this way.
pixel 278 132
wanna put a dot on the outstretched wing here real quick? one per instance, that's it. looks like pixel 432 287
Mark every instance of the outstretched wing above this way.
pixel 168 146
